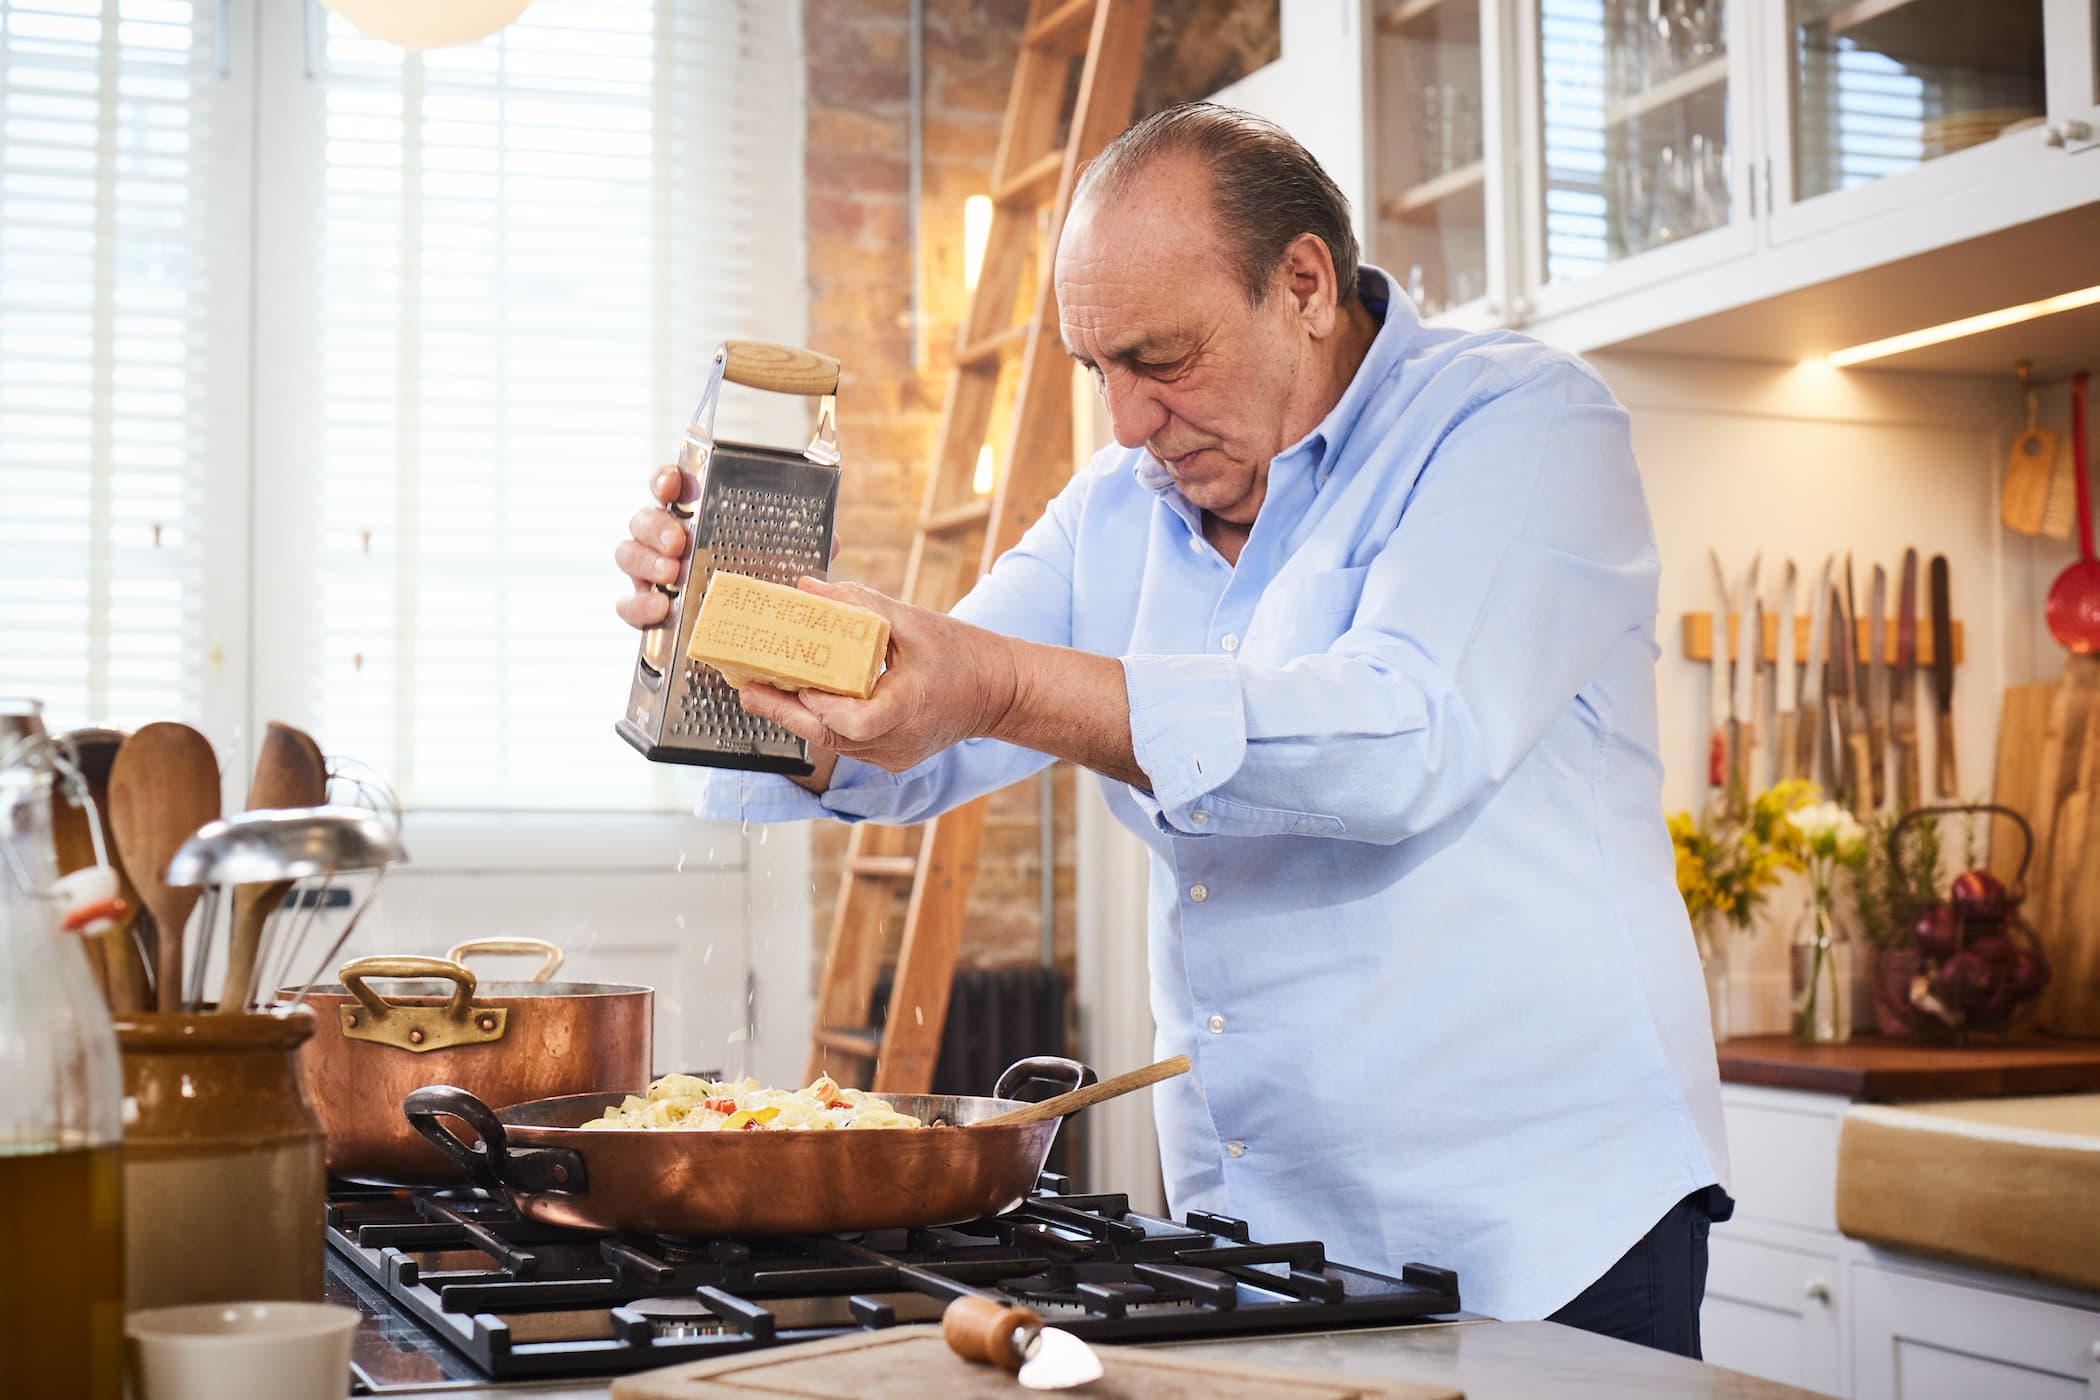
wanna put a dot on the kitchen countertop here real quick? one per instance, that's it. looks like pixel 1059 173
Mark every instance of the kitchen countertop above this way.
pixel 1487 1360
pixel 1871 1069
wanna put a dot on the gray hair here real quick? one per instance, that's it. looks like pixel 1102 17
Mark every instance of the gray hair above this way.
pixel 1266 188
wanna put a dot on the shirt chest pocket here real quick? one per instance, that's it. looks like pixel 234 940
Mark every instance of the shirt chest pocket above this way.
pixel 1305 615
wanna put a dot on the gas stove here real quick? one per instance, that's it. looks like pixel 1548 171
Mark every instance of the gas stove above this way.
pixel 458 1290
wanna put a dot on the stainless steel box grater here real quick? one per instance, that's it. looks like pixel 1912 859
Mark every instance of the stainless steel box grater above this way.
pixel 762 511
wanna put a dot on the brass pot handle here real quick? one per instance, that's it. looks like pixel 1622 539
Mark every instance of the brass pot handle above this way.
pixel 779 369
pixel 552 956
pixel 355 973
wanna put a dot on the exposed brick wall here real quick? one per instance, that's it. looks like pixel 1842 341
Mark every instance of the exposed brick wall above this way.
pixel 860 277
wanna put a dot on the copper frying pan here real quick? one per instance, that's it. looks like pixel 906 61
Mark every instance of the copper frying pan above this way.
pixel 692 1183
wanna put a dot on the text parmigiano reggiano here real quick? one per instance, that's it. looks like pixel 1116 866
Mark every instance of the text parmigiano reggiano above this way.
pixel 752 630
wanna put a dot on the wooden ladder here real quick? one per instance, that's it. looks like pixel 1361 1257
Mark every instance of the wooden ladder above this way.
pixel 960 532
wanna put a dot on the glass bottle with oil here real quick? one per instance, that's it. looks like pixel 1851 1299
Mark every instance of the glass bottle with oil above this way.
pixel 61 1103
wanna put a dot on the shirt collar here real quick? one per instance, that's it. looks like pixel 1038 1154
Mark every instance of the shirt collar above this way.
pixel 1397 326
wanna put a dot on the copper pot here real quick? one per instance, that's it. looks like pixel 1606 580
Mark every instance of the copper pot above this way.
pixel 506 1041
pixel 219 1145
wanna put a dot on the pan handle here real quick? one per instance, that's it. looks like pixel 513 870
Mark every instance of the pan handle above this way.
pixel 491 1163
pixel 551 957
pixel 1066 1074
pixel 353 975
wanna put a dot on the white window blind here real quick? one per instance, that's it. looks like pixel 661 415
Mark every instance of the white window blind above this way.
pixel 521 254
pixel 107 118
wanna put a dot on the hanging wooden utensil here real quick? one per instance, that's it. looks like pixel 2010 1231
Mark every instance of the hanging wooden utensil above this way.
pixel 2024 501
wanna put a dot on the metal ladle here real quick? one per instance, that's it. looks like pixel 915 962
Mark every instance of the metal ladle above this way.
pixel 286 844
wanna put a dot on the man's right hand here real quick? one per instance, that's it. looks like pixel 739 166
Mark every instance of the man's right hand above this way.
pixel 653 553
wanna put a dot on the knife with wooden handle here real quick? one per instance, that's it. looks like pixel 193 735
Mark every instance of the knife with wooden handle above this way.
pixel 1749 654
pixel 1787 681
pixel 1903 706
pixel 1878 687
pixel 1948 782
pixel 1817 651
pixel 1717 682
pixel 1849 726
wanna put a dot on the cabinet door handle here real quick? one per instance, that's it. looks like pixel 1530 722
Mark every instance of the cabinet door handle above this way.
pixel 1817 1291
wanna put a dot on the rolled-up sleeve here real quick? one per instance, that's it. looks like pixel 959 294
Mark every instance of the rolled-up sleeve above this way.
pixel 1027 594
pixel 1523 556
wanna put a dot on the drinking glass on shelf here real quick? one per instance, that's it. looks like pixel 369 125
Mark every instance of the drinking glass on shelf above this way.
pixel 1461 135
pixel 1431 137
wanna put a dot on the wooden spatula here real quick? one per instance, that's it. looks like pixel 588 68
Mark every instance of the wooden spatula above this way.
pixel 163 786
pixel 289 772
pixel 1092 1094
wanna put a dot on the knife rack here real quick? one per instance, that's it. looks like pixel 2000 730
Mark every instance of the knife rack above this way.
pixel 1699 639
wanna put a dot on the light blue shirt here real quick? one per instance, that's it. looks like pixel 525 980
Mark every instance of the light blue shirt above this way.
pixel 1413 910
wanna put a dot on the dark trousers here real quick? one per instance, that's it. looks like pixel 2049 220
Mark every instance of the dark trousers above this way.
pixel 1652 1295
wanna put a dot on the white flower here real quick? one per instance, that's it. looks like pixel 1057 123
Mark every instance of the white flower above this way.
pixel 1828 829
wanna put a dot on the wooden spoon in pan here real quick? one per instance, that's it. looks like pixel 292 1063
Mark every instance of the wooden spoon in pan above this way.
pixel 163 786
pixel 1111 1088
pixel 289 772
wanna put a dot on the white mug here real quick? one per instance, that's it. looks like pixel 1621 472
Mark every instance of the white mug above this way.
pixel 241 1351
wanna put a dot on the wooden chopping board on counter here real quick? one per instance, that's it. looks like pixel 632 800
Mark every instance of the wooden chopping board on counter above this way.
pixel 907 1363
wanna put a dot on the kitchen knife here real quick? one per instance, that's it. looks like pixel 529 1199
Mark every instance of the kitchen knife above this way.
pixel 1717 682
pixel 1847 719
pixel 1947 783
pixel 1878 686
pixel 1787 681
pixel 1749 650
pixel 1903 706
pixel 1812 727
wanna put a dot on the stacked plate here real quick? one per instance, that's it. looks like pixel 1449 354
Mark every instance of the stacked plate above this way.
pixel 1957 131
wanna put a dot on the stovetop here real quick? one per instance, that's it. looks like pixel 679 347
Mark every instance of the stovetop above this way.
pixel 457 1289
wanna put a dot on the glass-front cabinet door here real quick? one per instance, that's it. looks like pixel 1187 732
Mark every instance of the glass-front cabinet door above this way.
pixel 1435 120
pixel 1634 168
pixel 1910 98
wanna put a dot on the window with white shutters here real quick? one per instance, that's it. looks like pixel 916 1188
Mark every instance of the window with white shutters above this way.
pixel 329 371
pixel 108 199
pixel 519 255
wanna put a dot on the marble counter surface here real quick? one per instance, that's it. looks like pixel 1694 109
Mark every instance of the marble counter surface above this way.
pixel 1487 1360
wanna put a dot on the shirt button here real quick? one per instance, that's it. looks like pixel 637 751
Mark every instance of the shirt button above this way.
pixel 1195 545
pixel 1230 642
pixel 1199 818
pixel 1235 1148
pixel 1216 1024
pixel 1199 892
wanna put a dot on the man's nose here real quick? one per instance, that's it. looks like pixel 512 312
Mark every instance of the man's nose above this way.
pixel 1134 415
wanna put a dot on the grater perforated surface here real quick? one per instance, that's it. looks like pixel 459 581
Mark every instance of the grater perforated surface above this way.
pixel 771 535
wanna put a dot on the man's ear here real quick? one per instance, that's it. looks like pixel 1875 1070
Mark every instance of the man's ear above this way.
pixel 1308 273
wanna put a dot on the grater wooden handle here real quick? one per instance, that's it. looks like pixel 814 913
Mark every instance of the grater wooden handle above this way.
pixel 779 369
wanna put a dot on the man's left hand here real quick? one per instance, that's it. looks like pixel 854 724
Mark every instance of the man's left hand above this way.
pixel 947 681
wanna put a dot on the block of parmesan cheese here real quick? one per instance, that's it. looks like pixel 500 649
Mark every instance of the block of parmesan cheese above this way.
pixel 752 630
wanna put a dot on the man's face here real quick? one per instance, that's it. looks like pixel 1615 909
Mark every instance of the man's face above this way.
pixel 1190 371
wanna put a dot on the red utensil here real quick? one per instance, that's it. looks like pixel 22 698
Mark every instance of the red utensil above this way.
pixel 2074 599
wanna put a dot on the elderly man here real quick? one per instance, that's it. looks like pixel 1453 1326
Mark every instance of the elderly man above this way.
pixel 1356 624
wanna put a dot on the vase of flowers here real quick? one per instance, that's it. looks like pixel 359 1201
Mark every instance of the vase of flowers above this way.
pixel 1729 857
pixel 1834 847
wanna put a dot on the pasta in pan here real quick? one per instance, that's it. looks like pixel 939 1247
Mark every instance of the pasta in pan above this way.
pixel 682 1101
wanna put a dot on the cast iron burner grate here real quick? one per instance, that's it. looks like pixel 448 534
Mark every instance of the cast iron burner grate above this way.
pixel 521 1299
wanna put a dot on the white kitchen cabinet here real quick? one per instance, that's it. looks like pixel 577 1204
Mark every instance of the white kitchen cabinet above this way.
pixel 1791 1299
pixel 1775 1311
pixel 1920 1337
pixel 1647 179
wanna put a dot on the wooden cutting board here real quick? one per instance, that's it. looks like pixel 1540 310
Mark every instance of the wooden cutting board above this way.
pixel 2023 725
pixel 908 1363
